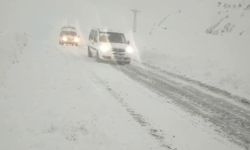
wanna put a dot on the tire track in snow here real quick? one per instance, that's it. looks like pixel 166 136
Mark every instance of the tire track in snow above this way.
pixel 208 87
pixel 234 125
pixel 157 134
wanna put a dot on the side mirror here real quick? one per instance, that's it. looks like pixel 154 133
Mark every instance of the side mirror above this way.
pixel 128 42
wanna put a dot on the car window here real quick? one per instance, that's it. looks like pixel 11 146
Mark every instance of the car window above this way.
pixel 61 33
pixel 95 36
pixel 72 33
pixel 112 37
pixel 91 35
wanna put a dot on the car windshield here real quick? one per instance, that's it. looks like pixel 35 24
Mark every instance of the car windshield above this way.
pixel 68 33
pixel 112 37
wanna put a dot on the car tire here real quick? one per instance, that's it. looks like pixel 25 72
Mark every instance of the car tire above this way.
pixel 89 52
pixel 97 57
pixel 128 62
pixel 120 63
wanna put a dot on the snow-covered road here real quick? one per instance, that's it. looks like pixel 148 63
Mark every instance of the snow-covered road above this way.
pixel 55 97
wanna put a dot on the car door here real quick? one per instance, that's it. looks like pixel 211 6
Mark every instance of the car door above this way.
pixel 92 43
pixel 95 43
pixel 91 39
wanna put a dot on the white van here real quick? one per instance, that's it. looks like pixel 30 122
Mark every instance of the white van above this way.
pixel 68 35
pixel 109 45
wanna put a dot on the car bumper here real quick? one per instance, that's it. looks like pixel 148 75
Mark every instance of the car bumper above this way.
pixel 116 58
pixel 69 42
pixel 122 59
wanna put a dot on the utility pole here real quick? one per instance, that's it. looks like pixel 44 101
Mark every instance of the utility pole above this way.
pixel 135 11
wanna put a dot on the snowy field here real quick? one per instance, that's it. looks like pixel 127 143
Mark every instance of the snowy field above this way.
pixel 186 89
pixel 56 97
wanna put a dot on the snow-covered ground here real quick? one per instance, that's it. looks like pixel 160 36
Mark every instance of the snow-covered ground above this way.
pixel 50 101
pixel 11 48
pixel 217 61
pixel 55 97
pixel 207 41
pixel 204 40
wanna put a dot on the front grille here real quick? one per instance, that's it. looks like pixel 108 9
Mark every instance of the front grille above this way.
pixel 118 50
pixel 118 54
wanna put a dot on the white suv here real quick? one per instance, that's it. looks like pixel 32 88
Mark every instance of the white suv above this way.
pixel 109 46
pixel 68 35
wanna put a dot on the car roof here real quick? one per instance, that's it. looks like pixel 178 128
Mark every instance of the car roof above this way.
pixel 72 30
pixel 68 28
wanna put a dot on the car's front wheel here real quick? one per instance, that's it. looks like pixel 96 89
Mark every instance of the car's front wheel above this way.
pixel 89 52
pixel 128 62
pixel 97 57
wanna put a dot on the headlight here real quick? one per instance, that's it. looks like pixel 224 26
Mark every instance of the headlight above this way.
pixel 104 48
pixel 129 50
pixel 64 39
pixel 76 39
